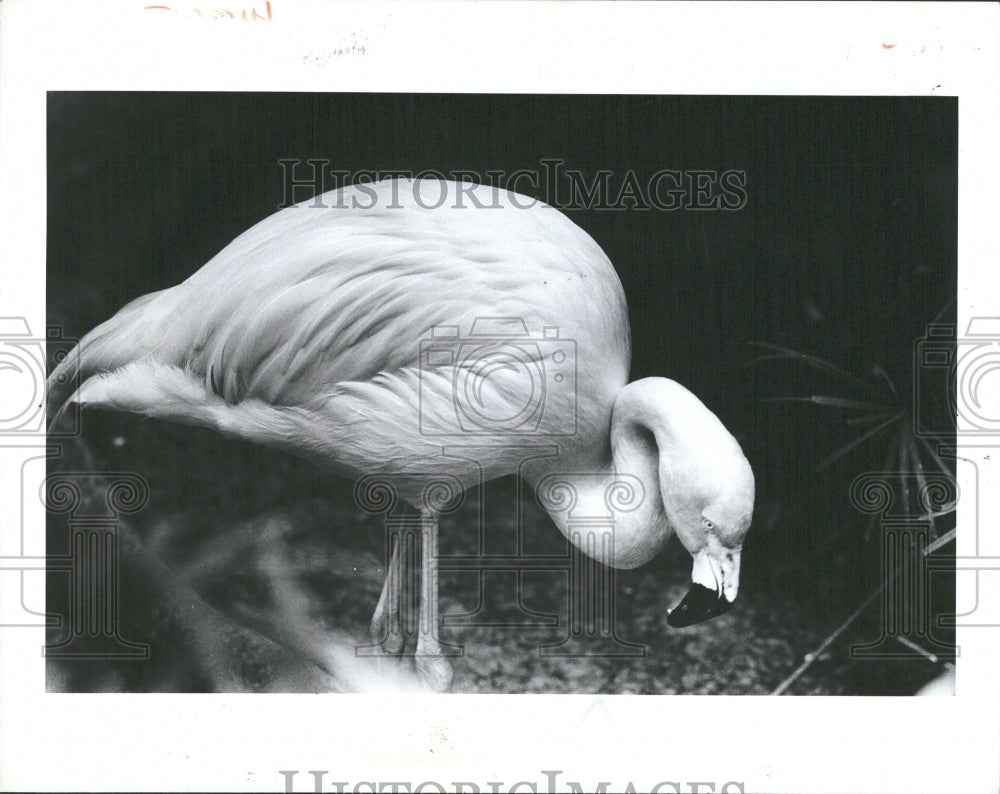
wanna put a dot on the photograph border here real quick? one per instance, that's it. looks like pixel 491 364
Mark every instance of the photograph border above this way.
pixel 239 742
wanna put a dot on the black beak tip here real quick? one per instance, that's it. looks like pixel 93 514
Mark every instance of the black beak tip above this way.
pixel 699 604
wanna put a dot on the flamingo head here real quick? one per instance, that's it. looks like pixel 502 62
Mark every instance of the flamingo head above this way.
pixel 711 518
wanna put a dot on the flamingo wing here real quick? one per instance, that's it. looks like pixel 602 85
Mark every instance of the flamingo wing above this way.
pixel 334 296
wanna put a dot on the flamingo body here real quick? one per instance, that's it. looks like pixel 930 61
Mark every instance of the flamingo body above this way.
pixel 371 327
pixel 321 355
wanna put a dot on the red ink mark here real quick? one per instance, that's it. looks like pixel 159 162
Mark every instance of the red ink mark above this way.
pixel 887 46
pixel 219 13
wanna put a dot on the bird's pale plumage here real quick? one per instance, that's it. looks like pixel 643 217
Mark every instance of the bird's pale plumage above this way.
pixel 323 311
pixel 306 333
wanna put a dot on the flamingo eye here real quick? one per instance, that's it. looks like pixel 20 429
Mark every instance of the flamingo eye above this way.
pixel 708 524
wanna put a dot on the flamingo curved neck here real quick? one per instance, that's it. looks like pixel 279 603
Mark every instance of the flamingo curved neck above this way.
pixel 618 512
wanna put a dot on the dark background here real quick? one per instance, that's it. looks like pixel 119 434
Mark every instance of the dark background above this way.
pixel 845 251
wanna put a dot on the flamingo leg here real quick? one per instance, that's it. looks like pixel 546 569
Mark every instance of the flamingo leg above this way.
pixel 432 665
pixel 386 629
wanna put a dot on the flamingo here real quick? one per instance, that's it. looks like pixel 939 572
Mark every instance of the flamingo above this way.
pixel 371 327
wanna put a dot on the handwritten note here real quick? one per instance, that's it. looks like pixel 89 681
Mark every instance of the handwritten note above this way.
pixel 241 14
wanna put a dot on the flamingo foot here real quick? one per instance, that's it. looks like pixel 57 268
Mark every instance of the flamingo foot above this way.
pixel 436 672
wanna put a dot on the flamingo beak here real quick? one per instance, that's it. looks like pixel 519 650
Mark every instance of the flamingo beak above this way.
pixel 699 604
pixel 715 584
